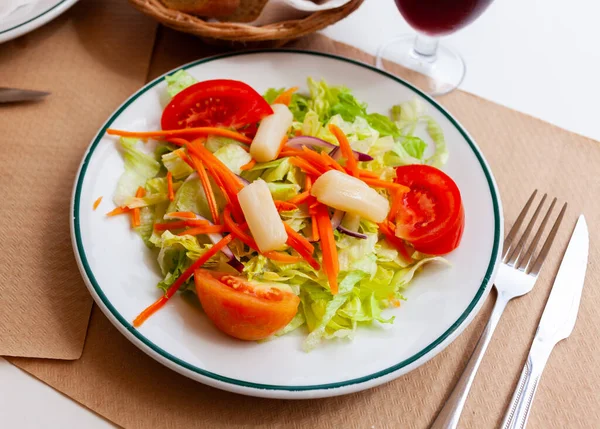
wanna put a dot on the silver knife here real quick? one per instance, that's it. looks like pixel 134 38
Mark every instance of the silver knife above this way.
pixel 556 324
pixel 13 95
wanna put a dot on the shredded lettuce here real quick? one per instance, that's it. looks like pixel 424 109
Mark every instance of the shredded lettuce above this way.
pixel 233 156
pixel 139 167
pixel 179 81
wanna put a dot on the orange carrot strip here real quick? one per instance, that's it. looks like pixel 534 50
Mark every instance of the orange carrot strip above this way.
pixel 97 202
pixel 330 256
pixel 208 191
pixel 300 198
pixel 236 229
pixel 299 238
pixel 332 162
pixel 248 165
pixel 315 229
pixel 283 206
pixel 285 97
pixel 182 132
pixel 397 242
pixel 307 183
pixel 315 159
pixel 189 215
pixel 199 230
pixel 396 204
pixel 180 224
pixel 153 308
pixel 283 257
pixel 304 166
pixel 118 211
pixel 378 183
pixel 184 157
pixel 135 215
pixel 284 140
pixel 170 186
pixel 298 133
pixel 346 149
pixel 366 173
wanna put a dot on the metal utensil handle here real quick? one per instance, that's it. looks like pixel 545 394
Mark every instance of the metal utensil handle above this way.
pixel 522 400
pixel 449 415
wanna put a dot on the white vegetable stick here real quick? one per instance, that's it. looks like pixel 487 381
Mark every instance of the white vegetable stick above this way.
pixel 261 214
pixel 344 192
pixel 272 129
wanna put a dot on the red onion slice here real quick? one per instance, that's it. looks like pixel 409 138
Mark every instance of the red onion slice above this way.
pixel 354 234
pixel 313 142
pixel 336 219
pixel 337 154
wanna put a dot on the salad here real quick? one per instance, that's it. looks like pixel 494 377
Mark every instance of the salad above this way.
pixel 288 211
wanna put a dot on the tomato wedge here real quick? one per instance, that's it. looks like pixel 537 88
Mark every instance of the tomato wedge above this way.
pixel 212 103
pixel 431 216
pixel 242 309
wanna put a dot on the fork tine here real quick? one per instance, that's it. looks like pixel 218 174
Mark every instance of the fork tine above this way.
pixel 513 256
pixel 535 269
pixel 515 228
pixel 528 256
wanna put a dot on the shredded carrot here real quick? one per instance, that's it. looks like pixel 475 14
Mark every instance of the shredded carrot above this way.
pixel 304 166
pixel 153 308
pixel 346 149
pixel 97 202
pixel 178 141
pixel 332 162
pixel 199 230
pixel 170 186
pixel 315 228
pixel 248 165
pixel 118 211
pixel 189 215
pixel 285 97
pixel 185 158
pixel 378 183
pixel 299 238
pixel 283 257
pixel 300 198
pixel 397 200
pixel 180 224
pixel 208 191
pixel 288 151
pixel 330 256
pixel 307 183
pixel 222 132
pixel 284 206
pixel 298 133
pixel 387 230
pixel 135 215
pixel 315 159
pixel 284 140
pixel 236 230
pixel 366 173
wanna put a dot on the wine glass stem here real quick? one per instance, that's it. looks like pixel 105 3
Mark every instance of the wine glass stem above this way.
pixel 425 47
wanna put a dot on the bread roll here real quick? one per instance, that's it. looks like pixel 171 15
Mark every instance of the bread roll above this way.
pixel 248 11
pixel 211 8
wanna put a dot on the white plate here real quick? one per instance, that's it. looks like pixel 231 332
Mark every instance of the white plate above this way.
pixel 121 272
pixel 29 17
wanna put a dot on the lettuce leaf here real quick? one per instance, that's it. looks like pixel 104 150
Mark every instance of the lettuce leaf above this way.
pixel 179 81
pixel 139 167
pixel 233 156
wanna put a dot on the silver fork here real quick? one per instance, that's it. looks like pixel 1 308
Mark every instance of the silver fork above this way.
pixel 516 276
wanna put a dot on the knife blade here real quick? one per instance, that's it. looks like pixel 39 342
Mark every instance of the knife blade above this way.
pixel 556 324
pixel 13 95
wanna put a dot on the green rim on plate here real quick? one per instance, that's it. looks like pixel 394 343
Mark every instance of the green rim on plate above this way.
pixel 166 355
pixel 34 18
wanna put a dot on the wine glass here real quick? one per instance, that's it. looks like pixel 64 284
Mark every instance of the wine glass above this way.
pixel 440 68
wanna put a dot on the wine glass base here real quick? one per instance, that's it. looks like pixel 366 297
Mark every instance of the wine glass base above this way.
pixel 436 75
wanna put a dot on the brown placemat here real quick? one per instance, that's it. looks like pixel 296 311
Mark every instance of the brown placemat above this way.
pixel 90 59
pixel 122 384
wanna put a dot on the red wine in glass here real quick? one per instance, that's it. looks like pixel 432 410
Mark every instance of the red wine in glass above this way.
pixel 439 17
pixel 439 68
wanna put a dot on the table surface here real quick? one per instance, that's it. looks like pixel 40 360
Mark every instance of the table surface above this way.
pixel 537 57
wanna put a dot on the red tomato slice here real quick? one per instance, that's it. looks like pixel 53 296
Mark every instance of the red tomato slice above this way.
pixel 432 217
pixel 241 309
pixel 221 102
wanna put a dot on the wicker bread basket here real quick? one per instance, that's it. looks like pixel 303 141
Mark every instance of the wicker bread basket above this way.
pixel 275 34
